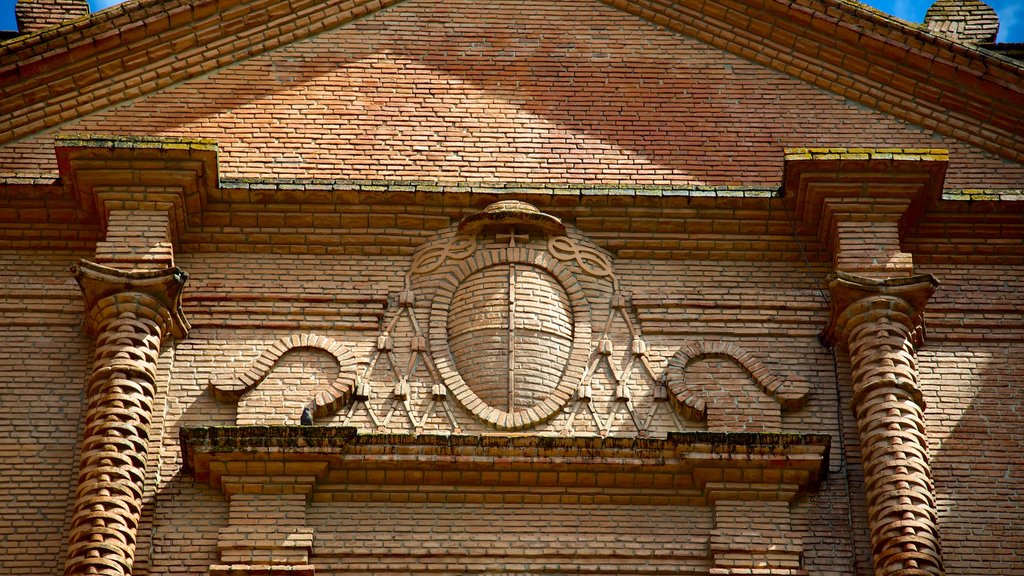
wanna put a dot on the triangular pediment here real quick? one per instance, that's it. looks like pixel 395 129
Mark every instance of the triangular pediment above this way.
pixel 608 92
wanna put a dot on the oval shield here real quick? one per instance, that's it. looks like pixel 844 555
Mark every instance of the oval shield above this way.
pixel 510 332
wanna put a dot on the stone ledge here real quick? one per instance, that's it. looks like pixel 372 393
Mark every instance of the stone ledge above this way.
pixel 765 465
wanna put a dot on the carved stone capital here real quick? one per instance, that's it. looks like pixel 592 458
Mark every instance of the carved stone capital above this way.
pixel 856 300
pixel 154 294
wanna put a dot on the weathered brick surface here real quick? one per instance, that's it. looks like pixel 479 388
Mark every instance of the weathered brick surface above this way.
pixel 35 15
pixel 346 159
pixel 969 21
pixel 555 92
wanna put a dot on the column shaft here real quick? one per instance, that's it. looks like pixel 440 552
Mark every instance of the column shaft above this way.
pixel 894 445
pixel 131 314
pixel 877 321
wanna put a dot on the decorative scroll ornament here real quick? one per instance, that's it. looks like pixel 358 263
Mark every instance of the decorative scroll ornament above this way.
pixel 692 401
pixel 327 400
pixel 591 261
pixel 509 324
pixel 457 248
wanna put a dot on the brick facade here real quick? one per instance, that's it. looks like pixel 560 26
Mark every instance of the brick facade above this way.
pixel 563 287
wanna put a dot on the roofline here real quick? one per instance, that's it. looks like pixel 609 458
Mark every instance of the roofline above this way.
pixel 143 46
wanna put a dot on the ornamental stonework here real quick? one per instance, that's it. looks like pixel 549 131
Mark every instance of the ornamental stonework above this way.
pixel 509 323
pixel 513 321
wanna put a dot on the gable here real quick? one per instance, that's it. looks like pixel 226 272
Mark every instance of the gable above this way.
pixel 573 91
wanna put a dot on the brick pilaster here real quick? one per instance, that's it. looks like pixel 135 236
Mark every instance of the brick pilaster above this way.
pixel 860 200
pixel 754 537
pixel 267 531
pixel 144 192
pixel 137 240
pixel 130 314
pixel 878 322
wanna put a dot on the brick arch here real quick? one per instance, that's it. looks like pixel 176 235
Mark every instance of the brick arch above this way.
pixel 692 401
pixel 327 401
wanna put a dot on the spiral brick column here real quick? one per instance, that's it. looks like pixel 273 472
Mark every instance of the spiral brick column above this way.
pixel 130 314
pixel 879 323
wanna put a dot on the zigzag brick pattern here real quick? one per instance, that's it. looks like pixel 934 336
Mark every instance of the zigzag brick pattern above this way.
pixel 120 394
pixel 890 418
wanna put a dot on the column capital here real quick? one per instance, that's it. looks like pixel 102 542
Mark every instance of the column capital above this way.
pixel 157 293
pixel 856 299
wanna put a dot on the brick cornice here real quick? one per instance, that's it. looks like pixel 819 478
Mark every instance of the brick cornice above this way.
pixel 163 174
pixel 61 74
pixel 830 184
pixel 886 64
pixel 691 463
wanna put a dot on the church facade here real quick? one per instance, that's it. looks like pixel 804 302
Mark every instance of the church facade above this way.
pixel 492 287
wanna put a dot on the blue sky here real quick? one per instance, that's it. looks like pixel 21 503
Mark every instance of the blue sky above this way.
pixel 1011 13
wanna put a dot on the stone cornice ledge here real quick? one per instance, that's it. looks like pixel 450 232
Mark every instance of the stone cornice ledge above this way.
pixel 745 466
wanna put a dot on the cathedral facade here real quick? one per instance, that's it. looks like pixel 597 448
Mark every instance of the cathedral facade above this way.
pixel 493 287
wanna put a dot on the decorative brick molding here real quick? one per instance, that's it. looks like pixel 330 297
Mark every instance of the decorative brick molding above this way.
pixel 693 401
pixel 569 369
pixel 131 313
pixel 326 402
pixel 168 175
pixel 879 322
pixel 510 324
pixel 969 21
pixel 622 359
pixel 36 15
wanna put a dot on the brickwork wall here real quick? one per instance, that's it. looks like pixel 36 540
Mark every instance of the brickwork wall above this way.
pixel 543 92
pixel 43 362
pixel 971 371
pixel 35 15
pixel 546 93
pixel 478 535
